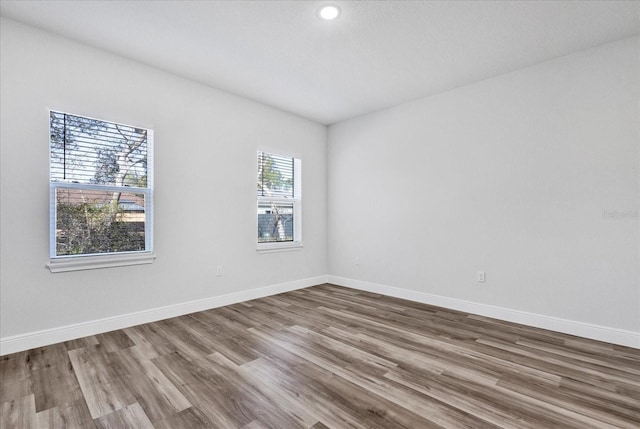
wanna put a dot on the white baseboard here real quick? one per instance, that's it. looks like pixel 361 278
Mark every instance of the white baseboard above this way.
pixel 46 337
pixel 31 340
pixel 580 329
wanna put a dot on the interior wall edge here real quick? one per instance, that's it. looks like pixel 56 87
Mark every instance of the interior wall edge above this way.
pixel 571 327
pixel 22 342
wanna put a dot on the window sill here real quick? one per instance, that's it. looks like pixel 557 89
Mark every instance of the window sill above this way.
pixel 79 263
pixel 278 247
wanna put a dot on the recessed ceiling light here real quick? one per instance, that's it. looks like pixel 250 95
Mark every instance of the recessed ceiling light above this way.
pixel 329 12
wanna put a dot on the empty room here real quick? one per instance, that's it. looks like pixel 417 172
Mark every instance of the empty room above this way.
pixel 319 214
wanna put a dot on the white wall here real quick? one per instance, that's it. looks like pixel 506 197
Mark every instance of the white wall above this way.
pixel 509 176
pixel 205 163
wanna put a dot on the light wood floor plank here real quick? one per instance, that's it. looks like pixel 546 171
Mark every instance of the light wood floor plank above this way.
pixel 18 413
pixel 55 386
pixel 155 393
pixel 129 417
pixel 73 415
pixel 104 390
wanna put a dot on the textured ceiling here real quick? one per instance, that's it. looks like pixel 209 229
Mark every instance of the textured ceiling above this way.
pixel 375 55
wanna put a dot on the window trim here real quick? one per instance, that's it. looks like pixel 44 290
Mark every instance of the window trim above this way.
pixel 296 244
pixel 65 263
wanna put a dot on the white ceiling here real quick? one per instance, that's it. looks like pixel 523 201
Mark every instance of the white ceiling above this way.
pixel 375 55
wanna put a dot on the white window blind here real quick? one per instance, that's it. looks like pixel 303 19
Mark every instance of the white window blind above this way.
pixel 101 187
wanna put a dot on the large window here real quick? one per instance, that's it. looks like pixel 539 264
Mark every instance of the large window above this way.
pixel 100 192
pixel 279 202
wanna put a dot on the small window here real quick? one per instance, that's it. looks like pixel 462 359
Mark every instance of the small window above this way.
pixel 279 202
pixel 101 190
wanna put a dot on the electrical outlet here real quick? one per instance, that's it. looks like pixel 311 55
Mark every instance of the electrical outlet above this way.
pixel 482 277
pixel 219 271
pixel 357 261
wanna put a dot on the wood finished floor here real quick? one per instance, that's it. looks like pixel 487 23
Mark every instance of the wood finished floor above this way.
pixel 323 357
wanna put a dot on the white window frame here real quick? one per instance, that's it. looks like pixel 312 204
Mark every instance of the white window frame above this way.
pixel 64 263
pixel 296 244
